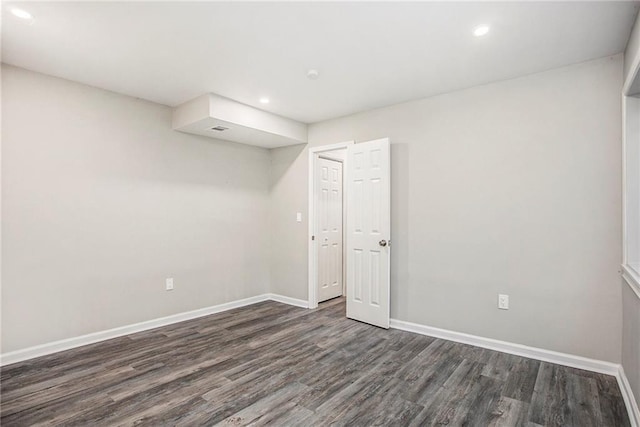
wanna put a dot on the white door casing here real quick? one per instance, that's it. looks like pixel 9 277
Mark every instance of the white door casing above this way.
pixel 328 215
pixel 368 232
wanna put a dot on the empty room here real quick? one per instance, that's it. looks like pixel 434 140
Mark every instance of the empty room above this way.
pixel 320 213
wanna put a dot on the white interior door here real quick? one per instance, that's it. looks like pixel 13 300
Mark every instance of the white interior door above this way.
pixel 368 232
pixel 329 228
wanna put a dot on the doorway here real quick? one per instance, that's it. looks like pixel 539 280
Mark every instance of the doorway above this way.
pixel 350 236
pixel 327 215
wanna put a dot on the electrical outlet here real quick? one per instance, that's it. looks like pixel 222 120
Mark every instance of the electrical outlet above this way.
pixel 503 302
pixel 169 283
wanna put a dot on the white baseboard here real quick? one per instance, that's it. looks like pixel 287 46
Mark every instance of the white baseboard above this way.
pixel 550 356
pixel 511 348
pixel 629 399
pixel 288 300
pixel 69 343
pixel 503 346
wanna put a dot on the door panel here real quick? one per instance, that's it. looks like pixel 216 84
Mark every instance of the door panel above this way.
pixel 368 232
pixel 329 230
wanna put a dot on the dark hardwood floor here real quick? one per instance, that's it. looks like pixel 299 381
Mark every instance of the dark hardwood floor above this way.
pixel 270 363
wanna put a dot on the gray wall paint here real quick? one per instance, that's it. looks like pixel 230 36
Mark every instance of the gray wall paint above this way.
pixel 287 235
pixel 101 201
pixel 512 187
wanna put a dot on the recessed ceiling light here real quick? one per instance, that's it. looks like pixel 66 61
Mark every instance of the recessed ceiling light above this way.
pixel 264 100
pixel 481 30
pixel 20 13
pixel 313 74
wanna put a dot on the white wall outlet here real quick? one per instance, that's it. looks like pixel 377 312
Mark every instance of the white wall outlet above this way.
pixel 169 283
pixel 503 302
pixel 299 217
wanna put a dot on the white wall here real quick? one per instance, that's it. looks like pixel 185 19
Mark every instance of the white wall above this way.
pixel 512 187
pixel 101 201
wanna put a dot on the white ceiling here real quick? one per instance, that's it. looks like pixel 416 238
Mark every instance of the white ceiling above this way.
pixel 368 54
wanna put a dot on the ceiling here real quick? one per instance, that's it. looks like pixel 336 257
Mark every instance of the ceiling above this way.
pixel 368 55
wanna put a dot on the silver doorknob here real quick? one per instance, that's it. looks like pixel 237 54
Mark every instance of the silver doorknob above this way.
pixel 382 243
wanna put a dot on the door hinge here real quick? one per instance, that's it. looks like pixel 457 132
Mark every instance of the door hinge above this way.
pixel 313 237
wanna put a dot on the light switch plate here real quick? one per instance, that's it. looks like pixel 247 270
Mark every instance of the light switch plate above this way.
pixel 169 283
pixel 503 302
pixel 299 217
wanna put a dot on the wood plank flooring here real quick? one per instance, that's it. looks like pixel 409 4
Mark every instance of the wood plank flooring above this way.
pixel 271 363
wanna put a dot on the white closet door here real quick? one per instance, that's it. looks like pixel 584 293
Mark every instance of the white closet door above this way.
pixel 329 228
pixel 368 232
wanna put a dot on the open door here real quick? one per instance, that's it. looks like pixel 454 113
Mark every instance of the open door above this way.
pixel 368 232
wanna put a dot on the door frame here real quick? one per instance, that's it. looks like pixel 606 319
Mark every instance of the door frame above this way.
pixel 314 153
